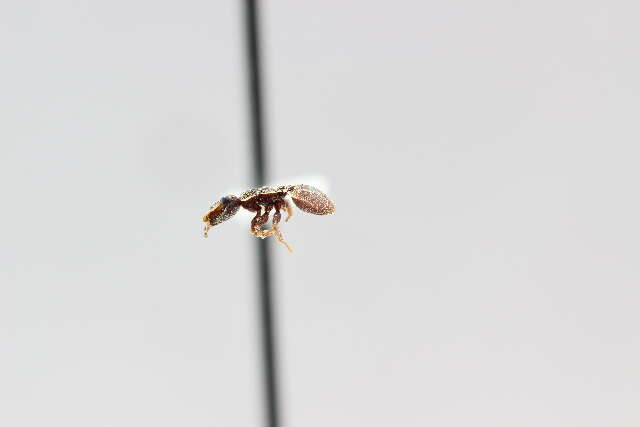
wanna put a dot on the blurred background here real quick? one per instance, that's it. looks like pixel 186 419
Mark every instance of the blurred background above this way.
pixel 482 266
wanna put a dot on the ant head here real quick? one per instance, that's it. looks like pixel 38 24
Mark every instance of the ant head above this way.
pixel 220 211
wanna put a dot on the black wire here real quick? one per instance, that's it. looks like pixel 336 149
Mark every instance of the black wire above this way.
pixel 259 170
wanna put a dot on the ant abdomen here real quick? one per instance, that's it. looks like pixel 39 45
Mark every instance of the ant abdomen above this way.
pixel 312 200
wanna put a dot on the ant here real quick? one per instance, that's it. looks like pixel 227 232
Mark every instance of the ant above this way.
pixel 262 200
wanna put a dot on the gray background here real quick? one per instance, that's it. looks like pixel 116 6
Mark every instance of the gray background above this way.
pixel 482 267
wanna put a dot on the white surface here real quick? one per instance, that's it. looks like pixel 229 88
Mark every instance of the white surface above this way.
pixel 482 266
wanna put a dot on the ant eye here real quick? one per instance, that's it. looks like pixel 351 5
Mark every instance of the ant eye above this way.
pixel 225 201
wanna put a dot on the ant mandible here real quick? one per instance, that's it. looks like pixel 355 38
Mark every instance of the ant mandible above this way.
pixel 262 200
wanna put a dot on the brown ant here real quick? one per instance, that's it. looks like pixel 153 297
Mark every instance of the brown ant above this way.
pixel 262 200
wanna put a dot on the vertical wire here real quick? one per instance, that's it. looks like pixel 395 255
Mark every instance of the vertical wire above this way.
pixel 263 250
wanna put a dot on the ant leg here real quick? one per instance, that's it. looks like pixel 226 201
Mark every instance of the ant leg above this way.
pixel 258 221
pixel 206 230
pixel 289 208
pixel 276 231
